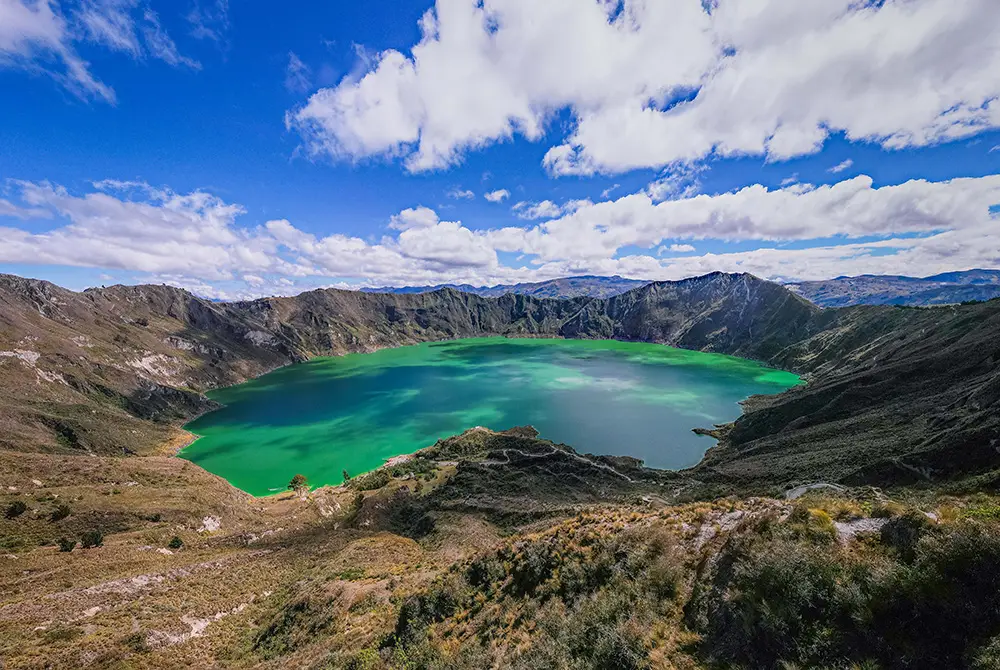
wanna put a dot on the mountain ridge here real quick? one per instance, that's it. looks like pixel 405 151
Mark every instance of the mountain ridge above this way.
pixel 941 289
pixel 589 286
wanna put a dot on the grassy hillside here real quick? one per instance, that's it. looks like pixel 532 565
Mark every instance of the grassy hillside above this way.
pixel 489 550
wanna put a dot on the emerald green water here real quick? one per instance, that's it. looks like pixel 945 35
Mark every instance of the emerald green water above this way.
pixel 353 412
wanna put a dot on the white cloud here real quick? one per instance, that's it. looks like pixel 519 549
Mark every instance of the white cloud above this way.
pixel 840 167
pixel 546 209
pixel 160 45
pixel 678 183
pixel 298 75
pixel 110 22
pixel 851 208
pixel 195 239
pixel 7 208
pixel 675 249
pixel 39 37
pixel 606 193
pixel 460 194
pixel 651 84
pixel 498 195
pixel 416 217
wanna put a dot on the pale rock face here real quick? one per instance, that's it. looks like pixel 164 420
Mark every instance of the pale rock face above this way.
pixel 158 365
pixel 260 338
pixel 210 524
pixel 29 358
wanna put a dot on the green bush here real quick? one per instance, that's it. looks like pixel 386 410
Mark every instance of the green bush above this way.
pixel 91 539
pixel 137 642
pixel 371 481
pixel 61 511
pixel 16 509
pixel 903 533
pixel 66 545
pixel 175 542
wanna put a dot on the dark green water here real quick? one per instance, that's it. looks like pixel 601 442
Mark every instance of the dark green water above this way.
pixel 353 412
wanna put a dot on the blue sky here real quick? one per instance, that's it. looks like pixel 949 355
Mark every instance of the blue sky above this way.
pixel 245 150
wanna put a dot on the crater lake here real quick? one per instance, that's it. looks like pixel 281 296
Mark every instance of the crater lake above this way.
pixel 352 412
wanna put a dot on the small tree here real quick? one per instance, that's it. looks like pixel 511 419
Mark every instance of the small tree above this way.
pixel 16 509
pixel 66 545
pixel 347 476
pixel 300 485
pixel 61 511
pixel 176 542
pixel 91 539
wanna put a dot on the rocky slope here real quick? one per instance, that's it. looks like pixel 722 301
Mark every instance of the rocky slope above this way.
pixel 896 395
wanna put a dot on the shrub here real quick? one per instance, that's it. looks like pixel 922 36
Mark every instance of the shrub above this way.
pixel 988 657
pixel 175 542
pixel 91 539
pixel 62 633
pixel 16 509
pixel 932 599
pixel 903 532
pixel 61 511
pixel 137 642
pixel 371 481
pixel 65 544
pixel 366 659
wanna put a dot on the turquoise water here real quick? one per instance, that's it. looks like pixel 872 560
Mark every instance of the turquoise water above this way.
pixel 352 412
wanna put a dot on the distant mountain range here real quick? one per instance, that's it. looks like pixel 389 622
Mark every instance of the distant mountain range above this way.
pixel 568 287
pixel 942 289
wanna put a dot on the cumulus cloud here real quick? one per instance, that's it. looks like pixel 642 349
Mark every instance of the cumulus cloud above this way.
pixel 196 239
pixel 546 209
pixel 415 217
pixel 40 36
pixel 651 84
pixel 498 195
pixel 851 208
